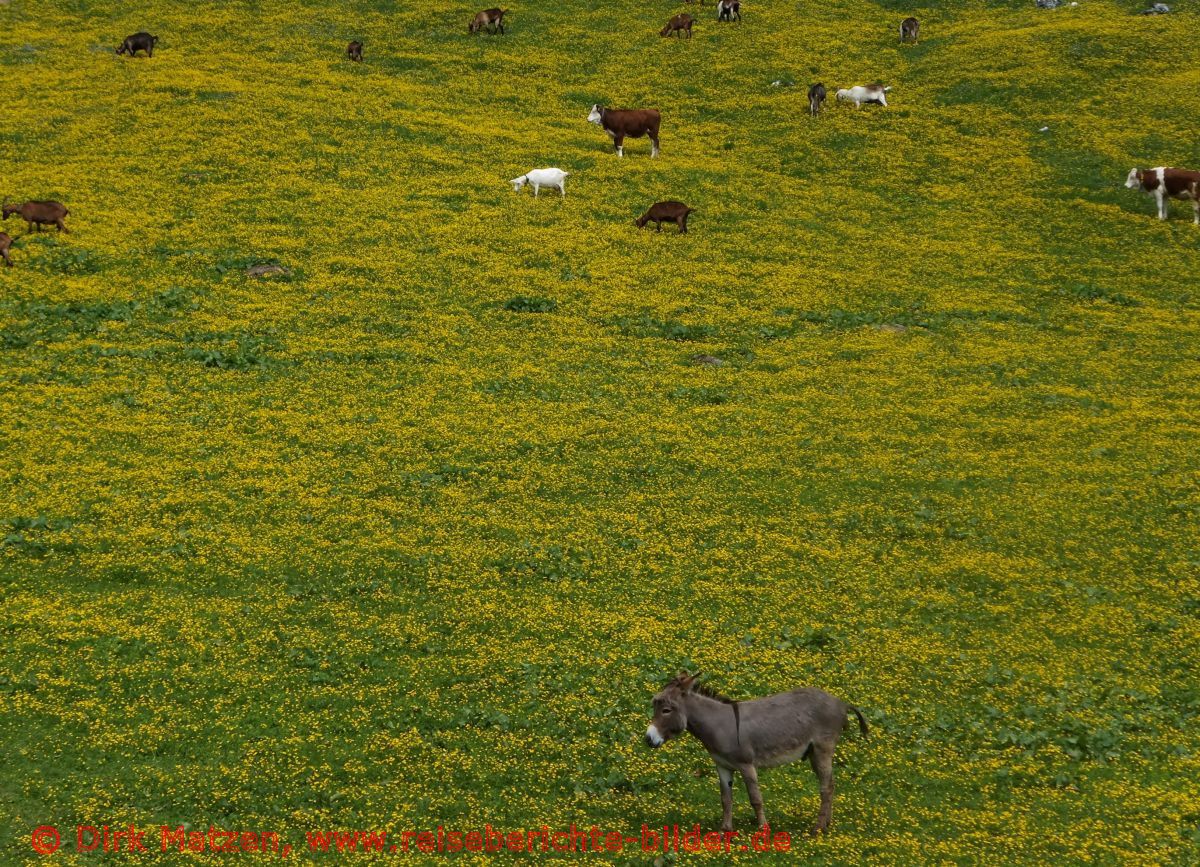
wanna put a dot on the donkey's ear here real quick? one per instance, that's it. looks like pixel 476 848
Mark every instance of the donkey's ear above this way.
pixel 686 680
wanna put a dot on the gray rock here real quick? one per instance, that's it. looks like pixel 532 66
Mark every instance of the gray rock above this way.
pixel 265 270
pixel 1049 4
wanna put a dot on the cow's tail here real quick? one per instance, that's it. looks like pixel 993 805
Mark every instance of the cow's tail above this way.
pixel 862 723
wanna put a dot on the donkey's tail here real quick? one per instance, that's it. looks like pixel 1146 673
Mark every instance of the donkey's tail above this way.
pixel 862 723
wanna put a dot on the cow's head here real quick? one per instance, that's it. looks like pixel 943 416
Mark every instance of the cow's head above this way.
pixel 518 183
pixel 1134 180
pixel 596 115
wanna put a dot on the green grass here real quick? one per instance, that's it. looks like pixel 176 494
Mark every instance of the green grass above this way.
pixel 410 534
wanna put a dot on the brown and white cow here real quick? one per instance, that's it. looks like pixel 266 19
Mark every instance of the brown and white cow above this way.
pixel 631 122
pixel 1164 183
pixel 729 10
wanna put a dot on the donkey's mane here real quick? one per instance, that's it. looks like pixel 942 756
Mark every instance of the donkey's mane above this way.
pixel 709 692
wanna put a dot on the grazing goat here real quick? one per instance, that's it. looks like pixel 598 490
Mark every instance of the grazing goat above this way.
pixel 910 29
pixel 5 244
pixel 743 736
pixel 354 51
pixel 864 93
pixel 678 25
pixel 728 10
pixel 816 96
pixel 39 213
pixel 142 41
pixel 489 19
pixel 666 212
pixel 1164 183
pixel 555 179
pixel 632 122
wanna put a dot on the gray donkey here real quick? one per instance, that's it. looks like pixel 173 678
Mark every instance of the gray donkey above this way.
pixel 762 733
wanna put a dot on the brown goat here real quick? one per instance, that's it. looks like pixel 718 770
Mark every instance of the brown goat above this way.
pixel 354 51
pixel 666 212
pixel 5 244
pixel 136 42
pixel 39 213
pixel 489 19
pixel 678 25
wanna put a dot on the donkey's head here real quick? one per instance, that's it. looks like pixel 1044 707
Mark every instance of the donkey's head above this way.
pixel 670 715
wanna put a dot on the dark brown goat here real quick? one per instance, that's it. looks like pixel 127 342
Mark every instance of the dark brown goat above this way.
pixel 816 96
pixel 666 212
pixel 354 51
pixel 490 19
pixel 39 213
pixel 142 41
pixel 5 243
pixel 677 25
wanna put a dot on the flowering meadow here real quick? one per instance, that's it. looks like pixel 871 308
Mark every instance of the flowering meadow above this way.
pixel 408 533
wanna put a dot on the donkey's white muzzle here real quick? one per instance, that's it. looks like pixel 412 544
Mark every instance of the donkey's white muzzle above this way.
pixel 653 738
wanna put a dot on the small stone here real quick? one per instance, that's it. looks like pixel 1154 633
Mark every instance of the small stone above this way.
pixel 707 361
pixel 265 270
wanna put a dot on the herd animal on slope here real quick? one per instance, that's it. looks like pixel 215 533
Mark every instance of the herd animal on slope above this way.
pixel 1163 183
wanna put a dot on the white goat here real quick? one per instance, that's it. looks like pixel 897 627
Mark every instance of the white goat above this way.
pixel 860 94
pixel 555 179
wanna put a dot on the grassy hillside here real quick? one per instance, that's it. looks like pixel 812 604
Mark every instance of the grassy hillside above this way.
pixel 410 535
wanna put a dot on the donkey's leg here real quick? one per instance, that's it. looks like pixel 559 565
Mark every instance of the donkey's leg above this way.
pixel 821 757
pixel 750 775
pixel 726 776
